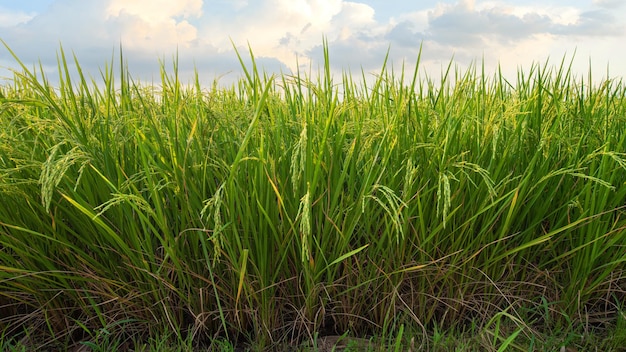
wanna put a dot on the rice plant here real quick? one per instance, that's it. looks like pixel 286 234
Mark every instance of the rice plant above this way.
pixel 287 206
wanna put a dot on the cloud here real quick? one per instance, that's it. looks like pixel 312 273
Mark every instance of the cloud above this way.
pixel 279 31
pixel 512 36
pixel 465 25
pixel 41 35
pixel 154 11
pixel 288 29
pixel 405 35
pixel 92 29
pixel 152 24
pixel 287 33
pixel 609 4
pixel 592 24
pixel 9 18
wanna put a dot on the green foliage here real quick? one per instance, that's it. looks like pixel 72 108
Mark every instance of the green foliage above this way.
pixel 287 205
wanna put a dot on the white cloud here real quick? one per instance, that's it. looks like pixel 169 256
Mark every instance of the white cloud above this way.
pixel 512 35
pixel 9 18
pixel 611 4
pixel 466 25
pixel 283 31
pixel 287 29
pixel 153 24
pixel 154 11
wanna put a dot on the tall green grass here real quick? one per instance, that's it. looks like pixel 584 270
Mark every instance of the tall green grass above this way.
pixel 290 205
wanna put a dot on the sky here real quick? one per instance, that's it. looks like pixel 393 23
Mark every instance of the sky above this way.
pixel 287 35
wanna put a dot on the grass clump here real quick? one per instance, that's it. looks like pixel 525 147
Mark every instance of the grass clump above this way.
pixel 288 207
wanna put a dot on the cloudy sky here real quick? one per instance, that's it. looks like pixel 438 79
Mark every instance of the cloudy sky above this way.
pixel 286 33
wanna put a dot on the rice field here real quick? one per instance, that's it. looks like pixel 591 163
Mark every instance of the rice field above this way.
pixel 290 208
